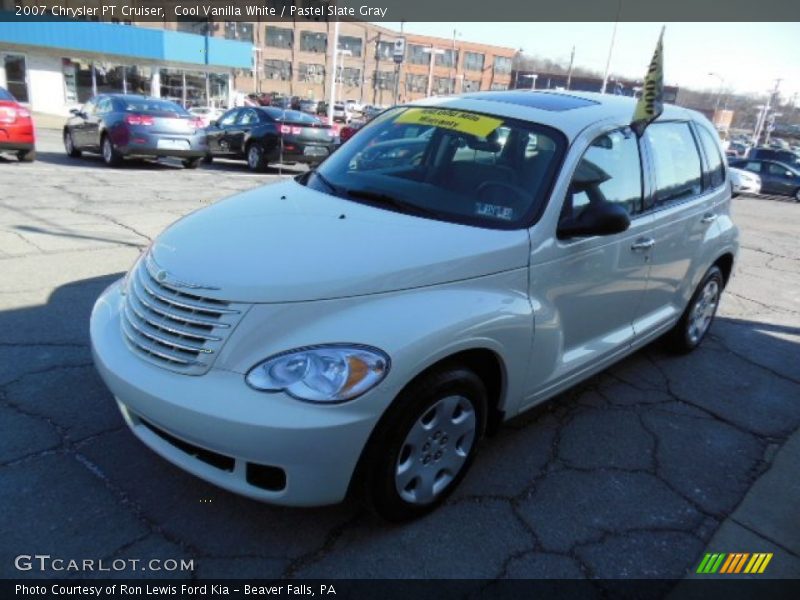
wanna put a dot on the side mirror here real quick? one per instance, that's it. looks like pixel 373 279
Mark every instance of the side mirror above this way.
pixel 598 218
pixel 75 112
pixel 789 174
pixel 213 123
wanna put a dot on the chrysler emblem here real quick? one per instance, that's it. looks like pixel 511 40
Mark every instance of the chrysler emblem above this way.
pixel 163 276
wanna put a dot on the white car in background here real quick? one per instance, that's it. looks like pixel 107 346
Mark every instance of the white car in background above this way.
pixel 744 182
pixel 206 113
pixel 342 112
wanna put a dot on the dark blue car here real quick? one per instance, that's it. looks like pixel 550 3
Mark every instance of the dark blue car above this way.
pixel 120 126
pixel 776 177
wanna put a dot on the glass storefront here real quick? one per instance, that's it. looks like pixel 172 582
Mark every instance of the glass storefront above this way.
pixel 194 88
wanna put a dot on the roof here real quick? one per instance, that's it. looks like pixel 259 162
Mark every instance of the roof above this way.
pixel 570 112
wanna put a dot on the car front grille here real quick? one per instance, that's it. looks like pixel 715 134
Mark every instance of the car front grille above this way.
pixel 172 328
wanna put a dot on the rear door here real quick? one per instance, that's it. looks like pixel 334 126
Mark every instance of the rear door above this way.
pixel 686 190
pixel 217 143
pixel 94 124
pixel 240 131
pixel 777 179
pixel 80 124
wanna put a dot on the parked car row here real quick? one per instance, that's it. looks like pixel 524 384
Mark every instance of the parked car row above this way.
pixel 120 126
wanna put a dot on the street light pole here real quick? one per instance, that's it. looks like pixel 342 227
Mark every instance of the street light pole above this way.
pixel 432 51
pixel 335 51
pixel 571 62
pixel 611 49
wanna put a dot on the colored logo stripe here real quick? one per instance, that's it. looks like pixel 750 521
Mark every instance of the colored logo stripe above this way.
pixel 734 562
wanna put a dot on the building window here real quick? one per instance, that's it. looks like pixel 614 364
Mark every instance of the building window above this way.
pixel 311 73
pixel 311 41
pixel 417 83
pixel 502 65
pixel 171 85
pixel 384 51
pixel 239 30
pixel 278 37
pixel 77 80
pixel 384 80
pixel 278 69
pixel 448 59
pixel 473 61
pixel 471 85
pixel 353 45
pixel 16 76
pixel 417 55
pixel 499 86
pixel 349 76
pixel 108 78
pixel 196 26
pixel 443 86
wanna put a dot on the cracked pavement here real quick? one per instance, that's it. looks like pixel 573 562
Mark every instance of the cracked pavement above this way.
pixel 630 474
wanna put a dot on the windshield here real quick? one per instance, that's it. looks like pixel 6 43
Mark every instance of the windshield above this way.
pixel 4 95
pixel 454 165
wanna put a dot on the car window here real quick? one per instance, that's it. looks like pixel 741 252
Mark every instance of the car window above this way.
pixel 247 117
pixel 229 118
pixel 152 106
pixel 775 169
pixel 716 166
pixel 89 108
pixel 752 166
pixel 609 171
pixel 474 168
pixel 104 106
pixel 676 161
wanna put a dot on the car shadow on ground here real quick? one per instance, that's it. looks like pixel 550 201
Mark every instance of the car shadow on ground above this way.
pixel 95 161
pixel 229 165
pixel 46 373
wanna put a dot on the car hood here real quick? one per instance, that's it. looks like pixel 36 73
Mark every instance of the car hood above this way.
pixel 285 242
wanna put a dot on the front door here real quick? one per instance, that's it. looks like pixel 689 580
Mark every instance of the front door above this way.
pixel 586 290
pixel 217 141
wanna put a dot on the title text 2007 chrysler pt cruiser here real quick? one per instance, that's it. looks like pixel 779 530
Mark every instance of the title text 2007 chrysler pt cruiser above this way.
pixel 458 261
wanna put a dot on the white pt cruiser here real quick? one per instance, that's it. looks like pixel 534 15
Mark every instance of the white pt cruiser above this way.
pixel 458 261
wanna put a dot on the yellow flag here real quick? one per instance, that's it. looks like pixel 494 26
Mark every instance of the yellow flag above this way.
pixel 651 102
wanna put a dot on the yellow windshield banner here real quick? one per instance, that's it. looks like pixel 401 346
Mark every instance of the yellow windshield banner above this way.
pixel 464 122
pixel 651 102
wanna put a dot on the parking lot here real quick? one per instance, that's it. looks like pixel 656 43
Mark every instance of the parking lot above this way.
pixel 629 475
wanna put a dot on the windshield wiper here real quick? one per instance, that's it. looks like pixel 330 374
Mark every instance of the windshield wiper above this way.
pixel 337 191
pixel 391 201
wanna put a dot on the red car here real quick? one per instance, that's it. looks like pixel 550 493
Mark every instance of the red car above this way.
pixel 16 128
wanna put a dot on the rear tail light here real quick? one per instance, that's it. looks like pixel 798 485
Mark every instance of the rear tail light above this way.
pixel 285 129
pixel 23 113
pixel 197 123
pixel 296 130
pixel 139 120
pixel 7 114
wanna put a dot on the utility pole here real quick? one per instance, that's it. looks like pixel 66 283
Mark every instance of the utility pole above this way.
pixel 377 70
pixel 762 119
pixel 611 49
pixel 335 51
pixel 571 62
pixel 398 67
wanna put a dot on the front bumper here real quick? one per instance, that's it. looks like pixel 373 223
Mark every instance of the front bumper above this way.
pixel 219 429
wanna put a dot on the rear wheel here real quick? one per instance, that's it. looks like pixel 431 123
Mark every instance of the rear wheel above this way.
pixel 26 155
pixel 192 163
pixel 208 159
pixel 69 145
pixel 425 444
pixel 797 195
pixel 255 157
pixel 692 327
pixel 110 156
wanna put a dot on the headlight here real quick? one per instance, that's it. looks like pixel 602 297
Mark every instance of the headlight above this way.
pixel 325 374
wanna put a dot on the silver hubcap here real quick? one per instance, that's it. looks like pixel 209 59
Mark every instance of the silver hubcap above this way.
pixel 703 311
pixel 107 150
pixel 435 450
pixel 253 157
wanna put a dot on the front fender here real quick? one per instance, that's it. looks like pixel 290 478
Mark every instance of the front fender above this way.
pixel 416 328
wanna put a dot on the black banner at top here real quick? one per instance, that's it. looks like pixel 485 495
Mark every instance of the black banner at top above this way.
pixel 406 10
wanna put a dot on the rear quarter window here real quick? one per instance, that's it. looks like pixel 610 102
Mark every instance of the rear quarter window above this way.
pixel 676 161
pixel 715 171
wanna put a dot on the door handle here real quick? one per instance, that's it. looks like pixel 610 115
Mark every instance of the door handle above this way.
pixel 642 244
pixel 708 218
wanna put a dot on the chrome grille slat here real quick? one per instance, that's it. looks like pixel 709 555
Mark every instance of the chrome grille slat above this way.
pixel 180 331
pixel 160 324
pixel 182 318
pixel 195 350
pixel 184 304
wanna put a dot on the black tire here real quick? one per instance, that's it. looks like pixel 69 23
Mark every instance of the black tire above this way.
pixel 191 163
pixel 388 444
pixel 208 159
pixel 69 145
pixel 797 195
pixel 110 156
pixel 26 155
pixel 258 162
pixel 682 339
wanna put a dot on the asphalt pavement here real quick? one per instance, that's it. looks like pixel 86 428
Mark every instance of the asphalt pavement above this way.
pixel 637 472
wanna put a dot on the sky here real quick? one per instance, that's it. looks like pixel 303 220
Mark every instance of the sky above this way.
pixel 747 56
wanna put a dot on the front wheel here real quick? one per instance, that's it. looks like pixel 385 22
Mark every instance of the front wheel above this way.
pixel 69 145
pixel 425 444
pixel 208 159
pixel 26 155
pixel 110 156
pixel 191 163
pixel 692 327
pixel 797 195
